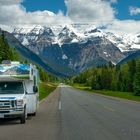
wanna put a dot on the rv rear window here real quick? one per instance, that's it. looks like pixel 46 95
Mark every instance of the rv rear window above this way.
pixel 11 88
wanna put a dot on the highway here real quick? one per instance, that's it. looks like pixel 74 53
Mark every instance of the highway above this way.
pixel 72 114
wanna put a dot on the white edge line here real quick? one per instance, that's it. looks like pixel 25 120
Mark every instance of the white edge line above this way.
pixel 60 105
pixel 40 102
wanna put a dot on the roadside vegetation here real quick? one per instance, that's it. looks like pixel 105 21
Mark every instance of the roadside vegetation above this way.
pixel 119 81
pixel 124 95
pixel 45 89
pixel 48 83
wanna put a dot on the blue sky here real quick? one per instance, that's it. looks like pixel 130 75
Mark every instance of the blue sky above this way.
pixel 51 5
pixel 122 7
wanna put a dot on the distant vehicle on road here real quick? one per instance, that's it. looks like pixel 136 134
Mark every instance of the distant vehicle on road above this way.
pixel 18 90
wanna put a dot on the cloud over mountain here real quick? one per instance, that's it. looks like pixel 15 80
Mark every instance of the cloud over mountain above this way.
pixel 97 12
pixel 90 10
pixel 12 13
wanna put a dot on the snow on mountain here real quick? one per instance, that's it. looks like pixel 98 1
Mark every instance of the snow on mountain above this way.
pixel 60 34
pixel 67 35
pixel 76 47
pixel 74 33
pixel 37 30
pixel 131 42
pixel 64 57
pixel 25 42
pixel 125 43
pixel 24 30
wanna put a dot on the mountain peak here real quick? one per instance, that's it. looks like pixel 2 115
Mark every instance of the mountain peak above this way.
pixel 74 52
pixel 72 33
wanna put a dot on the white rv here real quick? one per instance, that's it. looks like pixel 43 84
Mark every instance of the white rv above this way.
pixel 18 90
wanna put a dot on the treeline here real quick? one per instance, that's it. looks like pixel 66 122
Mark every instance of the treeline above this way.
pixel 46 77
pixel 124 77
pixel 6 52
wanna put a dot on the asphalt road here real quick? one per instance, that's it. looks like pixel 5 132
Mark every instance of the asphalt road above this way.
pixel 71 114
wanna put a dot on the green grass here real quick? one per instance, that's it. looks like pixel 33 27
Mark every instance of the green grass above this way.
pixel 82 87
pixel 45 89
pixel 124 95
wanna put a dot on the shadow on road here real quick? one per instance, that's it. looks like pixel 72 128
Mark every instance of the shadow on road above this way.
pixel 11 121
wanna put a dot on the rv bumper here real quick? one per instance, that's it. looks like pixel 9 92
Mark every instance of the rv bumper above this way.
pixel 13 113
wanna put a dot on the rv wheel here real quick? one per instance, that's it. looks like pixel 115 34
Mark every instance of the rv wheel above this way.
pixel 23 117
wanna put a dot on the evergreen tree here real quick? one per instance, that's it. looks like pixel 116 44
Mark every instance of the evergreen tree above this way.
pixel 137 79
pixel 132 71
pixel 124 77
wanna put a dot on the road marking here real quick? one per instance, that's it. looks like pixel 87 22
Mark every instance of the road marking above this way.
pixel 109 108
pixel 60 105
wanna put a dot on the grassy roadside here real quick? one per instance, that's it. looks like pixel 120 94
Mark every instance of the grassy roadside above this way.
pixel 45 89
pixel 124 95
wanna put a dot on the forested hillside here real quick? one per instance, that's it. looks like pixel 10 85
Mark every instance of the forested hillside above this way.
pixel 6 52
pixel 124 77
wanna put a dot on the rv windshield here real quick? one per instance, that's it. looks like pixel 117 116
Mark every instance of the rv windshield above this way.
pixel 11 88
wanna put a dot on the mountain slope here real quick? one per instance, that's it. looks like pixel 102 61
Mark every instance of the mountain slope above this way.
pixel 27 54
pixel 134 55
pixel 68 48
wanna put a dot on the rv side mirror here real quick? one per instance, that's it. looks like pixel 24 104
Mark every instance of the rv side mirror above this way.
pixel 35 89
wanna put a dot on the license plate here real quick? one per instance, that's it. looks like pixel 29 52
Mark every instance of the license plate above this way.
pixel 1 115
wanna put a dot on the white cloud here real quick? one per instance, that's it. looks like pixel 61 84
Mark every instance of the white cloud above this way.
pixel 134 10
pixel 124 26
pixel 98 12
pixel 12 14
pixel 90 10
pixel 10 2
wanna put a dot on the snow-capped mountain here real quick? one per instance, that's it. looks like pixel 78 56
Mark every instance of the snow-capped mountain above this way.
pixel 75 33
pixel 127 42
pixel 29 55
pixel 76 47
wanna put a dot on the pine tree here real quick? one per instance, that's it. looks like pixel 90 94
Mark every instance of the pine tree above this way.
pixel 137 79
pixel 132 71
